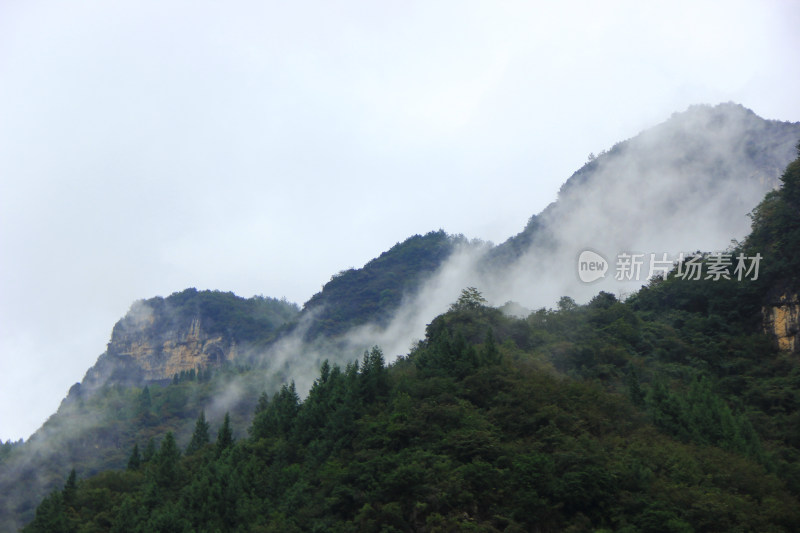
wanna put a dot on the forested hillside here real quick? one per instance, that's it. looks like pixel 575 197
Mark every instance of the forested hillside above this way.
pixel 121 401
pixel 670 411
pixel 371 294
pixel 673 345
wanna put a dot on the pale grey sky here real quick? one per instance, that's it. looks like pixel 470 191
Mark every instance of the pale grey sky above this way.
pixel 259 147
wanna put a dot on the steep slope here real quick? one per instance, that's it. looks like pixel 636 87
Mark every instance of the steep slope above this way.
pixel 684 185
pixel 681 185
pixel 695 154
pixel 190 330
pixel 374 292
pixel 776 235
pixel 192 339
pixel 670 411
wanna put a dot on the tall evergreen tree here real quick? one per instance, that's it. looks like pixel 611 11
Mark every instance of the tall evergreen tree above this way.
pixel 144 405
pixel 263 403
pixel 70 488
pixel 167 461
pixel 135 460
pixel 225 435
pixel 200 436
pixel 149 451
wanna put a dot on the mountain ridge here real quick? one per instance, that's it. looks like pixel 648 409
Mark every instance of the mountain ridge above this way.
pixel 669 411
pixel 331 313
pixel 768 146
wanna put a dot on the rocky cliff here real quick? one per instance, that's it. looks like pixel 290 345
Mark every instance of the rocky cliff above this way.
pixel 781 318
pixel 190 330
pixel 163 352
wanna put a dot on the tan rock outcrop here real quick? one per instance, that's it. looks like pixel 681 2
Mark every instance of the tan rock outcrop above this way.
pixel 782 319
pixel 161 352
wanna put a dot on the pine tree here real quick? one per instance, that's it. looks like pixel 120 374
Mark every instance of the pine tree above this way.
pixel 167 461
pixel 225 435
pixel 149 451
pixel 200 436
pixel 135 460
pixel 263 403
pixel 144 405
pixel 70 488
pixel 373 375
pixel 50 516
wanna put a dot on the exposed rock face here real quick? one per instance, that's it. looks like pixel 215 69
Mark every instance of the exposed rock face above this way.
pixel 163 352
pixel 188 330
pixel 782 319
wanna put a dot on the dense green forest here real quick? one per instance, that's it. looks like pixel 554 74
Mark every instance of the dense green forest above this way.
pixel 371 294
pixel 669 411
pixel 114 406
pixel 568 419
pixel 252 320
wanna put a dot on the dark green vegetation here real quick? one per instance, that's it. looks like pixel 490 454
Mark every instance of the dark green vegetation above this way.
pixel 372 293
pixel 670 411
pixel 96 431
pixel 667 412
pixel 6 448
pixel 776 231
pixel 249 320
pixel 113 407
pixel 252 322
pixel 596 416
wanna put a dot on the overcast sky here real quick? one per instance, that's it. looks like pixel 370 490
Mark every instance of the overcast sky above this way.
pixel 260 147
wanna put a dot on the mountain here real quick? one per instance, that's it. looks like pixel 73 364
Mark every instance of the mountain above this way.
pixel 722 157
pixel 684 185
pixel 670 411
pixel 198 342
pixel 188 331
pixel 371 294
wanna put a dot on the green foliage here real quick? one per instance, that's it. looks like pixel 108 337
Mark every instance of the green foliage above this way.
pixel 98 431
pixel 144 406
pixel 135 460
pixel 254 320
pixel 667 412
pixel 372 293
pixel 225 436
pixel 776 231
pixel 150 450
pixel 477 429
pixel 470 299
pixel 7 448
pixel 200 436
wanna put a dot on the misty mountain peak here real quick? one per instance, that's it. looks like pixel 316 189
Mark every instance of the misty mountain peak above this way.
pixel 706 167
pixel 190 330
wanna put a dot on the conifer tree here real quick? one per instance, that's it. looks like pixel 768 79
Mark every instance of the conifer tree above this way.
pixel 200 436
pixel 70 487
pixel 167 461
pixel 490 355
pixel 135 460
pixel 225 435
pixel 263 403
pixel 149 451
